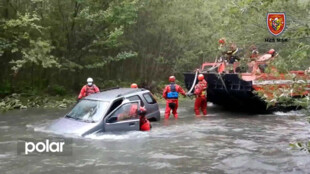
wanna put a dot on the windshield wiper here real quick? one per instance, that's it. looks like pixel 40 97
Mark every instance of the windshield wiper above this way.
pixel 80 119
pixel 75 118
pixel 89 121
pixel 68 116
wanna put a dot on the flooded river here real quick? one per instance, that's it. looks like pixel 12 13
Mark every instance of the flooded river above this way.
pixel 223 142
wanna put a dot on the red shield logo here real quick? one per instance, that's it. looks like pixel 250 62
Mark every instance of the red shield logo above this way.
pixel 276 23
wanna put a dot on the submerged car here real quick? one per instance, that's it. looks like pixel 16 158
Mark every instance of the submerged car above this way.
pixel 110 110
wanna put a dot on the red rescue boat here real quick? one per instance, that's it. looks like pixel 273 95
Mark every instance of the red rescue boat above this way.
pixel 251 88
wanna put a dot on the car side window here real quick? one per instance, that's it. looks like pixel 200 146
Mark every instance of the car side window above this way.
pixel 135 98
pixel 115 105
pixel 125 112
pixel 149 98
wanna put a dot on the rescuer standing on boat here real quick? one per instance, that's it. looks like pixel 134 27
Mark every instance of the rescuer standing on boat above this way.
pixel 254 53
pixel 232 53
pixel 171 94
pixel 222 49
pixel 201 96
pixel 88 89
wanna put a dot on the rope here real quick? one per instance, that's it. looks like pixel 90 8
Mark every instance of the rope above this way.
pixel 190 91
pixel 234 98
pixel 217 74
pixel 213 67
pixel 220 77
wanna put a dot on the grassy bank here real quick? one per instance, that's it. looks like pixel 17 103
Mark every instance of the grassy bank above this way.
pixel 24 101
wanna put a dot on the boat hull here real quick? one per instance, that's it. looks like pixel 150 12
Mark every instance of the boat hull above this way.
pixel 232 92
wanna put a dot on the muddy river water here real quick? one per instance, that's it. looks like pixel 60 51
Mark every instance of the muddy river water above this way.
pixel 223 142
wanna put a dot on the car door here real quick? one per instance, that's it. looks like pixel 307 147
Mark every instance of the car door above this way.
pixel 151 106
pixel 136 98
pixel 123 118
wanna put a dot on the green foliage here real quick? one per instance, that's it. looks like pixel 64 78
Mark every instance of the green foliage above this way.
pixel 122 12
pixel 302 146
pixel 50 43
pixel 119 57
pixel 11 102
pixel 5 88
pixel 108 24
pixel 26 45
pixel 297 59
pixel 38 53
pixel 18 101
pixel 57 90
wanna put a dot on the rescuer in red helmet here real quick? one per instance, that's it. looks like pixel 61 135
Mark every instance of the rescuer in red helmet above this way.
pixel 222 47
pixel 222 41
pixel 272 52
pixel 134 85
pixel 88 89
pixel 171 94
pixel 201 95
pixel 145 124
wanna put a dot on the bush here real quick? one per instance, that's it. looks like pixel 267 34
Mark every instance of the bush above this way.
pixel 57 90
pixel 5 88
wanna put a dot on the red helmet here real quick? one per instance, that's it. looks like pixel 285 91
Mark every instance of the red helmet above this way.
pixel 142 111
pixel 271 51
pixel 171 79
pixel 221 41
pixel 201 77
pixel 134 85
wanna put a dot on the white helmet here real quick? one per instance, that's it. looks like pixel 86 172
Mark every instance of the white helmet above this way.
pixel 90 81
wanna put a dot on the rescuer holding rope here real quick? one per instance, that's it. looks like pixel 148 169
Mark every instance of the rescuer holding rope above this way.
pixel 201 96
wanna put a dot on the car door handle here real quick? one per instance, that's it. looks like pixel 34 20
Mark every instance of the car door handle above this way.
pixel 131 124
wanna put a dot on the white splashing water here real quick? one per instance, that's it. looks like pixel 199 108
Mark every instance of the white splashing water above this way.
pixel 290 113
pixel 118 136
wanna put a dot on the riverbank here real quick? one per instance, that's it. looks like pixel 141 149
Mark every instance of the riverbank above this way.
pixel 25 101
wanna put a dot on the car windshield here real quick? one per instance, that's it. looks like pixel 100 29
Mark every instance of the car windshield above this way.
pixel 89 110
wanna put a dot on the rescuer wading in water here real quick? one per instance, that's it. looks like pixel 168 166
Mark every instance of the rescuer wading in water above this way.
pixel 171 94
pixel 88 89
pixel 133 85
pixel 201 96
pixel 145 124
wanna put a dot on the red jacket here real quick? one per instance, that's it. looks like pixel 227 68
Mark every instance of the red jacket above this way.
pixel 200 89
pixel 145 124
pixel 177 88
pixel 86 90
pixel 132 113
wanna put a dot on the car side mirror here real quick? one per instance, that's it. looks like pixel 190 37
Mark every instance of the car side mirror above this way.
pixel 112 120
